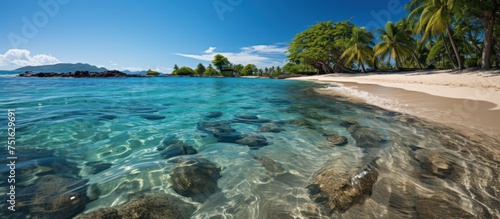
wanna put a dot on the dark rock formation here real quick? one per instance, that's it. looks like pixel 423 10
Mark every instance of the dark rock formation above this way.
pixel 222 130
pixel 215 114
pixel 195 178
pixel 338 190
pixel 96 167
pixel 153 117
pixel 348 123
pixel 53 197
pixel 249 119
pixel 80 74
pixel 177 149
pixel 270 127
pixel 253 141
pixel 156 206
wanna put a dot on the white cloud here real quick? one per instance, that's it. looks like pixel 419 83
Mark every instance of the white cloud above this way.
pixel 260 55
pixel 22 57
pixel 210 50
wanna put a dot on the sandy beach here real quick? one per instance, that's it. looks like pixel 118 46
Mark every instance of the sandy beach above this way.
pixel 462 99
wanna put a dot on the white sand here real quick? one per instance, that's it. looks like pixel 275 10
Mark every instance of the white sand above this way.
pixel 465 98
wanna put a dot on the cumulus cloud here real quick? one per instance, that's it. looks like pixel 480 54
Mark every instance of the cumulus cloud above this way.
pixel 22 57
pixel 260 55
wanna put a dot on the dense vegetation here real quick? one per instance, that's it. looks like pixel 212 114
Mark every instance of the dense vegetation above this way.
pixel 436 34
pixel 152 73
pixel 440 34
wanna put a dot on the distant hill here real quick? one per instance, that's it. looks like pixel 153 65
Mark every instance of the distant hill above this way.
pixel 62 68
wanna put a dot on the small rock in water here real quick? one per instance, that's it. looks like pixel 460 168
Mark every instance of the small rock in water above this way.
pixel 348 123
pixel 153 117
pixel 195 178
pixel 270 127
pixel 177 149
pixel 107 117
pixel 271 165
pixel 96 167
pixel 222 130
pixel 215 114
pixel 254 141
pixel 155 205
pixel 247 117
pixel 336 139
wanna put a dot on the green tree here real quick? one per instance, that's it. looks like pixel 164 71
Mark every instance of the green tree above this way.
pixel 176 68
pixel 210 71
pixel 220 62
pixel 238 68
pixel 185 71
pixel 434 18
pixel 292 68
pixel 200 69
pixel 359 47
pixel 249 69
pixel 152 73
pixel 322 46
pixel 395 44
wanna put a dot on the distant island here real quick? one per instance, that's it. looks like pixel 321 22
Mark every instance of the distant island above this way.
pixel 79 74
pixel 63 67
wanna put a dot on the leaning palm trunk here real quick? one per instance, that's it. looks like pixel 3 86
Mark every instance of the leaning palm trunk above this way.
pixel 448 52
pixel 416 59
pixel 455 48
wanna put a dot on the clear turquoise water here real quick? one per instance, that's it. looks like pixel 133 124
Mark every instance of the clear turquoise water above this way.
pixel 102 120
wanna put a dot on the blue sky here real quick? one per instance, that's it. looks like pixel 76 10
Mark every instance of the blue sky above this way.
pixel 156 34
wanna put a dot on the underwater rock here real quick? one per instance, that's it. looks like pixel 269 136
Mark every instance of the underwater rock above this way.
pixel 271 165
pixel 157 205
pixel 437 206
pixel 153 117
pixel 338 190
pixel 298 122
pixel 348 123
pixel 222 130
pixel 195 178
pixel 439 163
pixel 249 119
pixel 365 137
pixel 336 139
pixel 107 117
pixel 215 114
pixel 54 197
pixel 270 127
pixel 96 167
pixel 253 140
pixel 177 149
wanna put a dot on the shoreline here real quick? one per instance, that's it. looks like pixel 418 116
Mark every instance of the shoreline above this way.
pixel 467 100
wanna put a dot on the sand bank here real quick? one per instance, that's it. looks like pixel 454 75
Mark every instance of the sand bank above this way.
pixel 468 99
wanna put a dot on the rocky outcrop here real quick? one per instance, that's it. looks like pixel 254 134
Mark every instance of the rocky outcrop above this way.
pixel 270 165
pixel 79 74
pixel 214 114
pixel 253 141
pixel 195 178
pixel 249 119
pixel 335 138
pixel 365 137
pixel 337 190
pixel 157 205
pixel 222 130
pixel 53 197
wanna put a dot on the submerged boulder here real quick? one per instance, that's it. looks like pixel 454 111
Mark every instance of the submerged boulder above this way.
pixel 336 139
pixel 53 197
pixel 253 141
pixel 337 190
pixel 177 149
pixel 271 165
pixel 366 137
pixel 222 130
pixel 270 127
pixel 195 178
pixel 214 114
pixel 249 119
pixel 157 205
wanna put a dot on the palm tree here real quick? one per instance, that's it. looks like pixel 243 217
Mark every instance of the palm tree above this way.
pixel 394 44
pixel 359 47
pixel 435 18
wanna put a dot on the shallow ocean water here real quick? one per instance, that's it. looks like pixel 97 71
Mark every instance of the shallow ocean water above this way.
pixel 106 133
